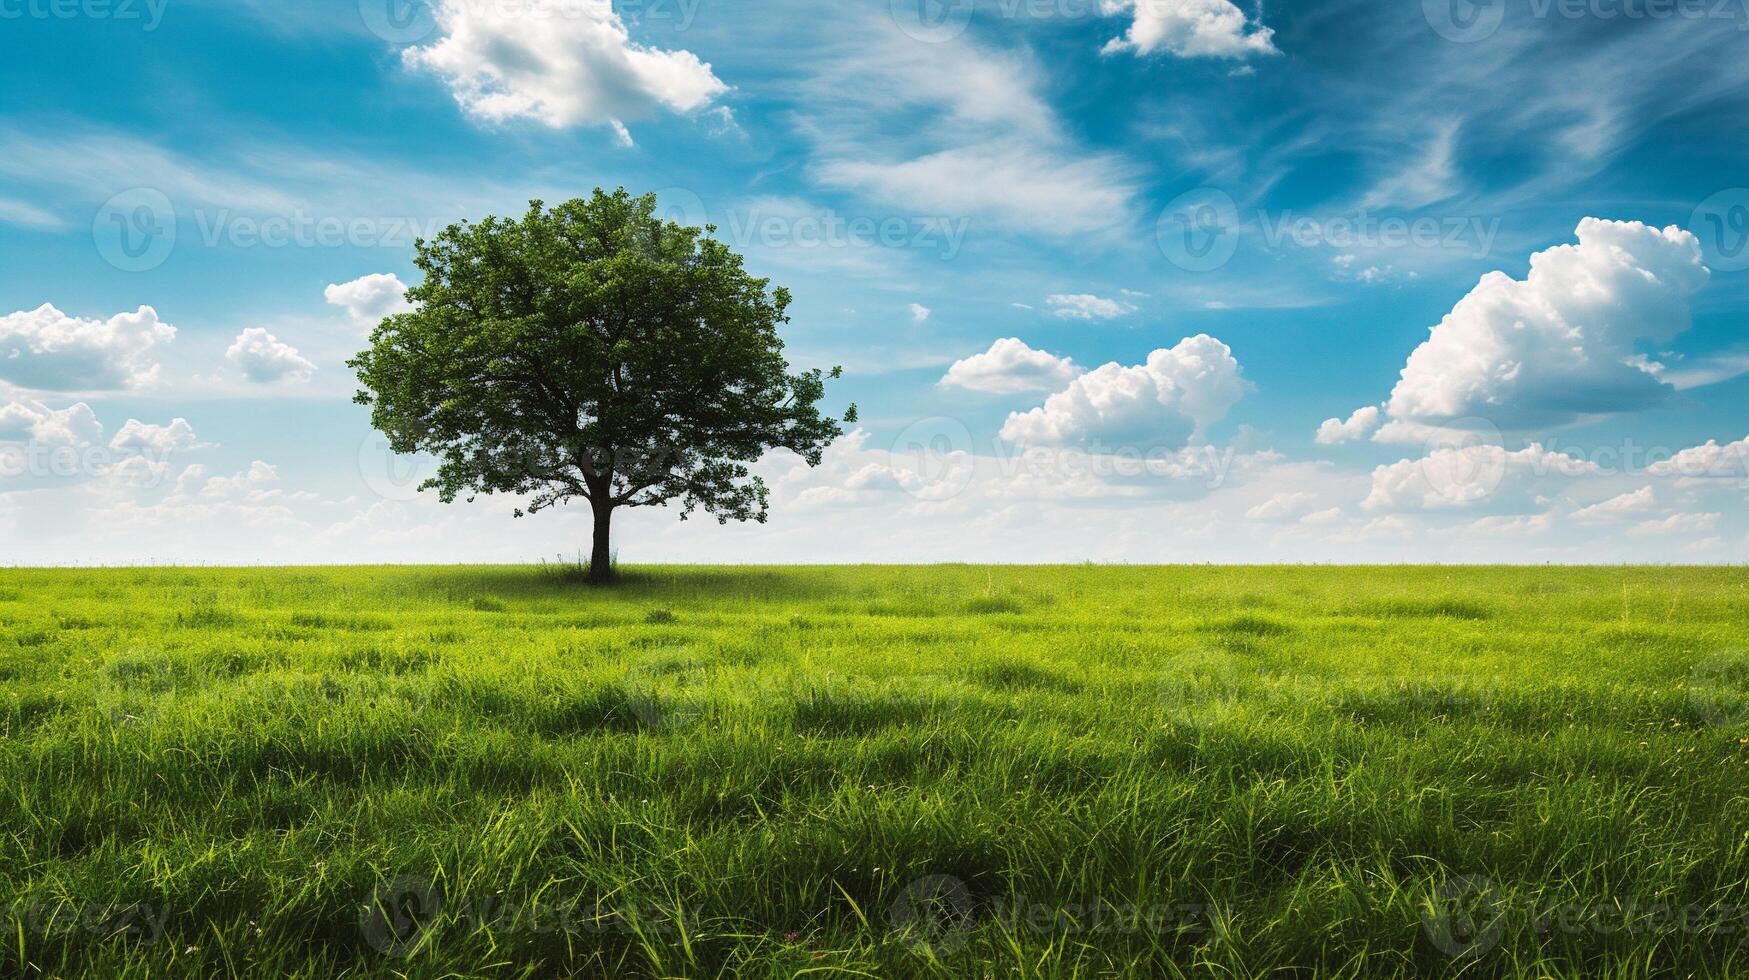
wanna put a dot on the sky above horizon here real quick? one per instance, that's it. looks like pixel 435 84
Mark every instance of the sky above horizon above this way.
pixel 1110 280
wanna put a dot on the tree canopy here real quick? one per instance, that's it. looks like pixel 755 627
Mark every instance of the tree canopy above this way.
pixel 593 350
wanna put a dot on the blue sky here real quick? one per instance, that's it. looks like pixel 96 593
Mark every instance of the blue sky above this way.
pixel 1098 271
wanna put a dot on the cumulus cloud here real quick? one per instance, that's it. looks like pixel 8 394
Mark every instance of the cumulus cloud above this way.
pixel 1617 508
pixel 1165 401
pixel 1359 425
pixel 47 350
pixel 1678 524
pixel 1010 367
pixel 368 299
pixel 1709 460
pixel 1085 306
pixel 919 312
pixel 1283 506
pixel 1558 345
pixel 265 359
pixel 156 440
pixel 1464 477
pixel 1189 29
pixel 559 62
pixel 75 425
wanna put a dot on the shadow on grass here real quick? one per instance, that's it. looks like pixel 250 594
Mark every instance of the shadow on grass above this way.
pixel 698 583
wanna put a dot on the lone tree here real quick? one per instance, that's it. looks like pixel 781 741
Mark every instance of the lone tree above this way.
pixel 592 350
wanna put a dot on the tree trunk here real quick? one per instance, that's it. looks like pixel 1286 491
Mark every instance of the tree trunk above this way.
pixel 601 557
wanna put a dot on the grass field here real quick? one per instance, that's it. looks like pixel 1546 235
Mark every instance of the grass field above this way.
pixel 957 771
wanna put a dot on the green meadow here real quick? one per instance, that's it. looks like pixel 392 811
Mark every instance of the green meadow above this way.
pixel 875 771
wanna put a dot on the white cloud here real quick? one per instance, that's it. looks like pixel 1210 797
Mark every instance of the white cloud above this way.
pixel 368 299
pixel 1558 345
pixel 156 440
pixel 1165 401
pixel 1618 507
pixel 1464 477
pixel 47 350
pixel 75 425
pixel 1010 367
pixel 919 312
pixel 1015 183
pixel 1360 424
pixel 28 215
pixel 560 62
pixel 1677 524
pixel 1330 515
pixel 1282 506
pixel 1085 306
pixel 1709 460
pixel 1189 29
pixel 264 358
pixel 953 130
